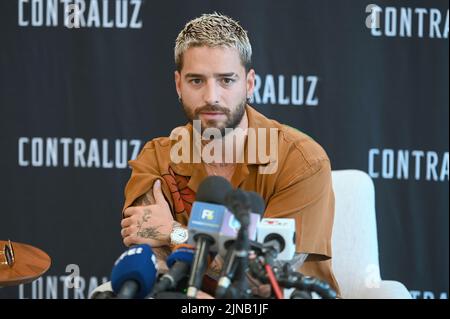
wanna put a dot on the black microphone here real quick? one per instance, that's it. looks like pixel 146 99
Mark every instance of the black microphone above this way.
pixel 180 262
pixel 241 203
pixel 238 201
pixel 211 190
pixel 257 204
pixel 134 273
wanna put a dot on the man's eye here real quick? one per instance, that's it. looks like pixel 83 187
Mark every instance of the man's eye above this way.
pixel 196 81
pixel 228 80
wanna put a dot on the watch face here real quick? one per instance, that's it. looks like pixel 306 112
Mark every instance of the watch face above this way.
pixel 179 235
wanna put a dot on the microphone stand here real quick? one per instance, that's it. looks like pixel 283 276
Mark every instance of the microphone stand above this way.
pixel 242 248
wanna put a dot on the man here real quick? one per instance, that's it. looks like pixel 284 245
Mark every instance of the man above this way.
pixel 214 82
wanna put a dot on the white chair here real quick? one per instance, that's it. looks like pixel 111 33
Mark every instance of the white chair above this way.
pixel 354 240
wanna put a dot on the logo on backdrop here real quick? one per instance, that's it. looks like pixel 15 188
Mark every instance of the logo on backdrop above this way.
pixel 408 164
pixel 76 152
pixel 295 90
pixel 60 287
pixel 426 294
pixel 118 14
pixel 407 22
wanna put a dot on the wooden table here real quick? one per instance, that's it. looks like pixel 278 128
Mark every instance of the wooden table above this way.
pixel 30 264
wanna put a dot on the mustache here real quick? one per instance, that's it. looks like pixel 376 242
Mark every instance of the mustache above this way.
pixel 212 108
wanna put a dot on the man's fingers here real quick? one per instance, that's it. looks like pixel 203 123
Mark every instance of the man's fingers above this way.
pixel 157 193
pixel 129 240
pixel 126 222
pixel 133 240
pixel 129 211
pixel 128 231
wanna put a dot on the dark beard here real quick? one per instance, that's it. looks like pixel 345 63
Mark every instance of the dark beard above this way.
pixel 233 118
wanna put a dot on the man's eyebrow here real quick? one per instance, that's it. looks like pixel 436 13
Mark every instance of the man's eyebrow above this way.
pixel 194 75
pixel 228 75
pixel 217 75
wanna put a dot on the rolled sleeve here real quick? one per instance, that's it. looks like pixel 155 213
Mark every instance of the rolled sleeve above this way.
pixel 307 197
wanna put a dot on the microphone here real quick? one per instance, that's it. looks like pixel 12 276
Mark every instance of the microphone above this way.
pixel 257 205
pixel 278 234
pixel 231 224
pixel 179 262
pixel 204 225
pixel 134 273
pixel 239 203
pixel 236 263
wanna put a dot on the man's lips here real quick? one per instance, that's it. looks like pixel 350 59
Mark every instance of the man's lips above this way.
pixel 211 114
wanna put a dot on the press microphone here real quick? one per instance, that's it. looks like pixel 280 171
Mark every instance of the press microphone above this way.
pixel 279 235
pixel 134 273
pixel 231 224
pixel 204 225
pixel 179 262
pixel 245 205
pixel 238 202
pixel 257 205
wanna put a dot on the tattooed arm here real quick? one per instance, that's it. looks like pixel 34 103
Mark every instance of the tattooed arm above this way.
pixel 145 200
pixel 149 221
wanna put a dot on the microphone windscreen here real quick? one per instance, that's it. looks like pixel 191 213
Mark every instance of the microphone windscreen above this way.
pixel 213 190
pixel 237 201
pixel 138 264
pixel 257 204
pixel 183 254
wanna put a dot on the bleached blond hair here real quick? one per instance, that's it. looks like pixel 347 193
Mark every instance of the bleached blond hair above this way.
pixel 213 30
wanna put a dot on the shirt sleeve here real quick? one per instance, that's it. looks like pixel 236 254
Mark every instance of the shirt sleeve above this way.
pixel 304 191
pixel 307 196
pixel 144 173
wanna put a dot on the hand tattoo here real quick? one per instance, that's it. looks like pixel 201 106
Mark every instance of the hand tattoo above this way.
pixel 150 233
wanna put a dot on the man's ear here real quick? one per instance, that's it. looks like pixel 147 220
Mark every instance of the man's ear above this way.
pixel 178 82
pixel 250 82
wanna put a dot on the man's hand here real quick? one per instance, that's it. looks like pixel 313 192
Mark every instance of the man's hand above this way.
pixel 150 223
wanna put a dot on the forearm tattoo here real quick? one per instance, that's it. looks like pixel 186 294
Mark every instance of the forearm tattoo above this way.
pixel 146 199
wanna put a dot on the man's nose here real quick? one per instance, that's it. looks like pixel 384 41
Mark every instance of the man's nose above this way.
pixel 211 93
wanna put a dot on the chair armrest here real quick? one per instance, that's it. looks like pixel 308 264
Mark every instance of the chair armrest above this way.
pixel 388 289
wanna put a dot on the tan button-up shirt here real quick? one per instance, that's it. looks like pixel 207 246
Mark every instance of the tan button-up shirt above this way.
pixel 300 187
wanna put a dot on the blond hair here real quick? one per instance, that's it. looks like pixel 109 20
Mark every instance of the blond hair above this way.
pixel 213 30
